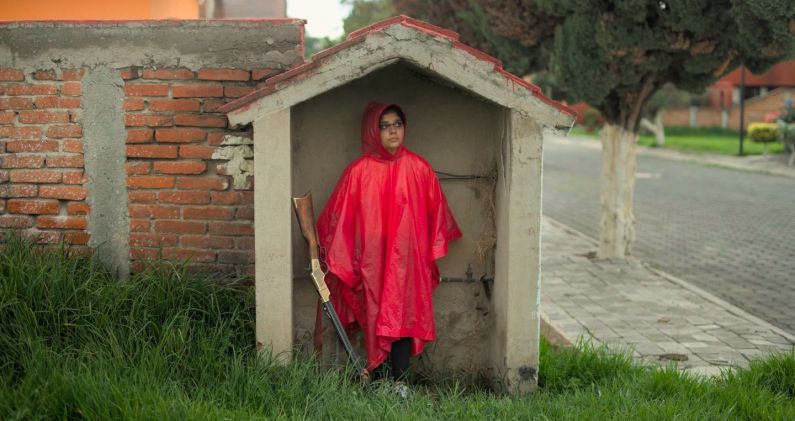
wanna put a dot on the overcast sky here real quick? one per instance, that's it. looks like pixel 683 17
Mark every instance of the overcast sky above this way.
pixel 324 17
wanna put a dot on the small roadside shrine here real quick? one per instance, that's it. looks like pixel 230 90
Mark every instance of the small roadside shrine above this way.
pixel 479 126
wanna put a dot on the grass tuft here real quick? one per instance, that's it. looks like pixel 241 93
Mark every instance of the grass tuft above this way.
pixel 76 343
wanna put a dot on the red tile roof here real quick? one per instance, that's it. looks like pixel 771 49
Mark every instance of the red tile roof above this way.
pixel 302 71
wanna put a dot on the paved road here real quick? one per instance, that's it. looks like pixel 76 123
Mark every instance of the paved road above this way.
pixel 730 232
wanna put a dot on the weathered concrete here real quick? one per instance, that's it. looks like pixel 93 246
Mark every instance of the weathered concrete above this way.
pixel 516 293
pixel 104 137
pixel 191 44
pixel 272 213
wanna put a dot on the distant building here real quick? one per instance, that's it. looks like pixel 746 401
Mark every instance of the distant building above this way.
pixel 12 10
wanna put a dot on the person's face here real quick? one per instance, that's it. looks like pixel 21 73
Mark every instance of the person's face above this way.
pixel 392 131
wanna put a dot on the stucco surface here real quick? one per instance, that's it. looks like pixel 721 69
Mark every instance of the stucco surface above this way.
pixel 191 44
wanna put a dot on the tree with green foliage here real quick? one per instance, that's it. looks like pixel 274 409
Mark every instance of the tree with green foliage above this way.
pixel 615 55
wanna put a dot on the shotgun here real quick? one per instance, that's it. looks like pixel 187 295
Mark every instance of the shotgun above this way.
pixel 306 220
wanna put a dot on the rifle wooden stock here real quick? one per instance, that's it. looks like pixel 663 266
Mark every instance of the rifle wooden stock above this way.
pixel 306 220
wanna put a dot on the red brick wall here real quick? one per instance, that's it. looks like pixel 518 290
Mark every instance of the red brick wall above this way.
pixel 182 202
pixel 41 155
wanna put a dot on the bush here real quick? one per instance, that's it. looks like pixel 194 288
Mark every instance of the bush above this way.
pixel 590 120
pixel 763 132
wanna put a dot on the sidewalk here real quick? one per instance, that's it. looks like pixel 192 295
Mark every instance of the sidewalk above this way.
pixel 630 305
pixel 775 164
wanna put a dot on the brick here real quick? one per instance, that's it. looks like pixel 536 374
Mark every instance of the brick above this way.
pixel 63 192
pixel 212 105
pixel 180 167
pixel 238 91
pixel 200 120
pixel 138 225
pixel 43 117
pixel 144 253
pixel 215 214
pixel 154 211
pixel 247 197
pixel 262 73
pixel 71 88
pixel 15 221
pixel 151 120
pixel 34 207
pixel 231 228
pixel 168 74
pixel 152 240
pixel 5 175
pixel 11 74
pixel 35 176
pixel 142 197
pixel 22 161
pixel 244 243
pixel 25 132
pixel 130 73
pixel 74 177
pixel 202 183
pixel 46 102
pixel 223 74
pixel 72 145
pixel 173 105
pixel 19 190
pixel 150 182
pixel 140 135
pixel 28 89
pixel 138 167
pixel 145 90
pixel 77 208
pixel 215 138
pixel 205 242
pixel 225 198
pixel 134 104
pixel 201 256
pixel 245 214
pixel 65 161
pixel 61 222
pixel 196 151
pixel 197 90
pixel 180 227
pixel 152 151
pixel 185 197
pixel 65 130
pixel 72 74
pixel 76 238
pixel 236 257
pixel 44 237
pixel 179 135
pixel 16 103
pixel 32 146
pixel 48 74
pixel 7 117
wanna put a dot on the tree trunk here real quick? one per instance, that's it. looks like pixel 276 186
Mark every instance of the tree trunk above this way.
pixel 656 128
pixel 617 226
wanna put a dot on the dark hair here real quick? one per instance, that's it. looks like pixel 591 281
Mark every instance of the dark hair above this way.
pixel 394 109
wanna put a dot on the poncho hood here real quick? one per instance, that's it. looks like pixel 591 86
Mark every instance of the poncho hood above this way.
pixel 371 132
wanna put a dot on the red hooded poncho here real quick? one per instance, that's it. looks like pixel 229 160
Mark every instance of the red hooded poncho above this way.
pixel 382 229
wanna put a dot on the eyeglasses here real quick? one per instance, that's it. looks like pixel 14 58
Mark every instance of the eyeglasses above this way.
pixel 396 125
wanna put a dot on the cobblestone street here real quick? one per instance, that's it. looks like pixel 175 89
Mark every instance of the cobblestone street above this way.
pixel 729 232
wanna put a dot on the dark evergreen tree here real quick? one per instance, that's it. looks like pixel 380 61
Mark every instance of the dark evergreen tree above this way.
pixel 615 55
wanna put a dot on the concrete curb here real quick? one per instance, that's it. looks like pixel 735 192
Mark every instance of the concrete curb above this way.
pixel 718 161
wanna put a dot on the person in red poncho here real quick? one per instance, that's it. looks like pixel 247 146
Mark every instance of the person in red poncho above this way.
pixel 382 229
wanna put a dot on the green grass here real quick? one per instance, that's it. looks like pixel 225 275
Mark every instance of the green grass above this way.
pixel 707 140
pixel 76 343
